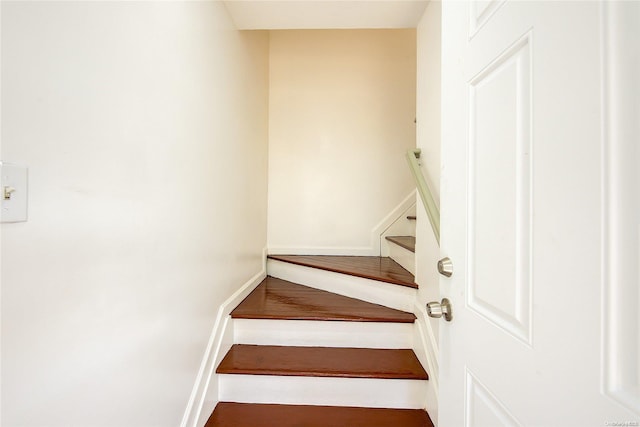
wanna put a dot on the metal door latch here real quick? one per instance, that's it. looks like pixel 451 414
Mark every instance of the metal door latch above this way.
pixel 440 309
pixel 445 267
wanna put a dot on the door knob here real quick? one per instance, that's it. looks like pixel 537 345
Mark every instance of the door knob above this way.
pixel 440 309
pixel 445 267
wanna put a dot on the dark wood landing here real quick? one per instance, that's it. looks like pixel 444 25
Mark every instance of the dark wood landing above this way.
pixel 261 415
pixel 279 299
pixel 407 242
pixel 322 362
pixel 370 267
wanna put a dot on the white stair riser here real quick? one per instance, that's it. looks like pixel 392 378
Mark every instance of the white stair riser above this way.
pixel 389 295
pixel 365 392
pixel 403 256
pixel 323 333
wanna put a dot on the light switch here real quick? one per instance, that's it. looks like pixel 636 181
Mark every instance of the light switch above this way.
pixel 13 192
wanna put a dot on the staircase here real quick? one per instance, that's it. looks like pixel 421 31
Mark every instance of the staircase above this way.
pixel 324 341
pixel 400 242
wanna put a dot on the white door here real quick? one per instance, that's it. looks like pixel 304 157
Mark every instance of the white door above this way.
pixel 540 213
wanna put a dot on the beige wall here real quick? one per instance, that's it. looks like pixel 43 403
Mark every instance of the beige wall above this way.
pixel 144 126
pixel 341 117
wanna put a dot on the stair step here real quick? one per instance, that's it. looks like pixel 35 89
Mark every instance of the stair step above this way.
pixel 322 362
pixel 374 291
pixel 407 242
pixel 280 299
pixel 228 414
pixel 383 269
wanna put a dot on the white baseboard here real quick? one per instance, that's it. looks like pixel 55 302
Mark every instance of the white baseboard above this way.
pixel 202 399
pixel 322 250
pixel 425 346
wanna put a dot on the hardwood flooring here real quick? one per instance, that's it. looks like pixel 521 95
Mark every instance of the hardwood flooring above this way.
pixel 322 362
pixel 280 299
pixel 229 414
pixel 383 269
pixel 407 242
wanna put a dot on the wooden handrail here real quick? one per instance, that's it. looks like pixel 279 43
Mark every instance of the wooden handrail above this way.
pixel 425 192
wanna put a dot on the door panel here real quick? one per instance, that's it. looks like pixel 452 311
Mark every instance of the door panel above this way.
pixel 536 337
pixel 483 408
pixel 498 283
pixel 481 12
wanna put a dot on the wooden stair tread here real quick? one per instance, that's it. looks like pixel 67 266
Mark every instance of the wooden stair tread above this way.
pixel 407 242
pixel 280 299
pixel 227 414
pixel 322 362
pixel 383 269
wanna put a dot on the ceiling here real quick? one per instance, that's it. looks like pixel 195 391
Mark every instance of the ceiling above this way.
pixel 325 14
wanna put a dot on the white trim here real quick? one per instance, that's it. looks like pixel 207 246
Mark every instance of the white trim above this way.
pixel 321 250
pixel 374 246
pixel 425 346
pixel 618 377
pixel 219 343
pixel 428 344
